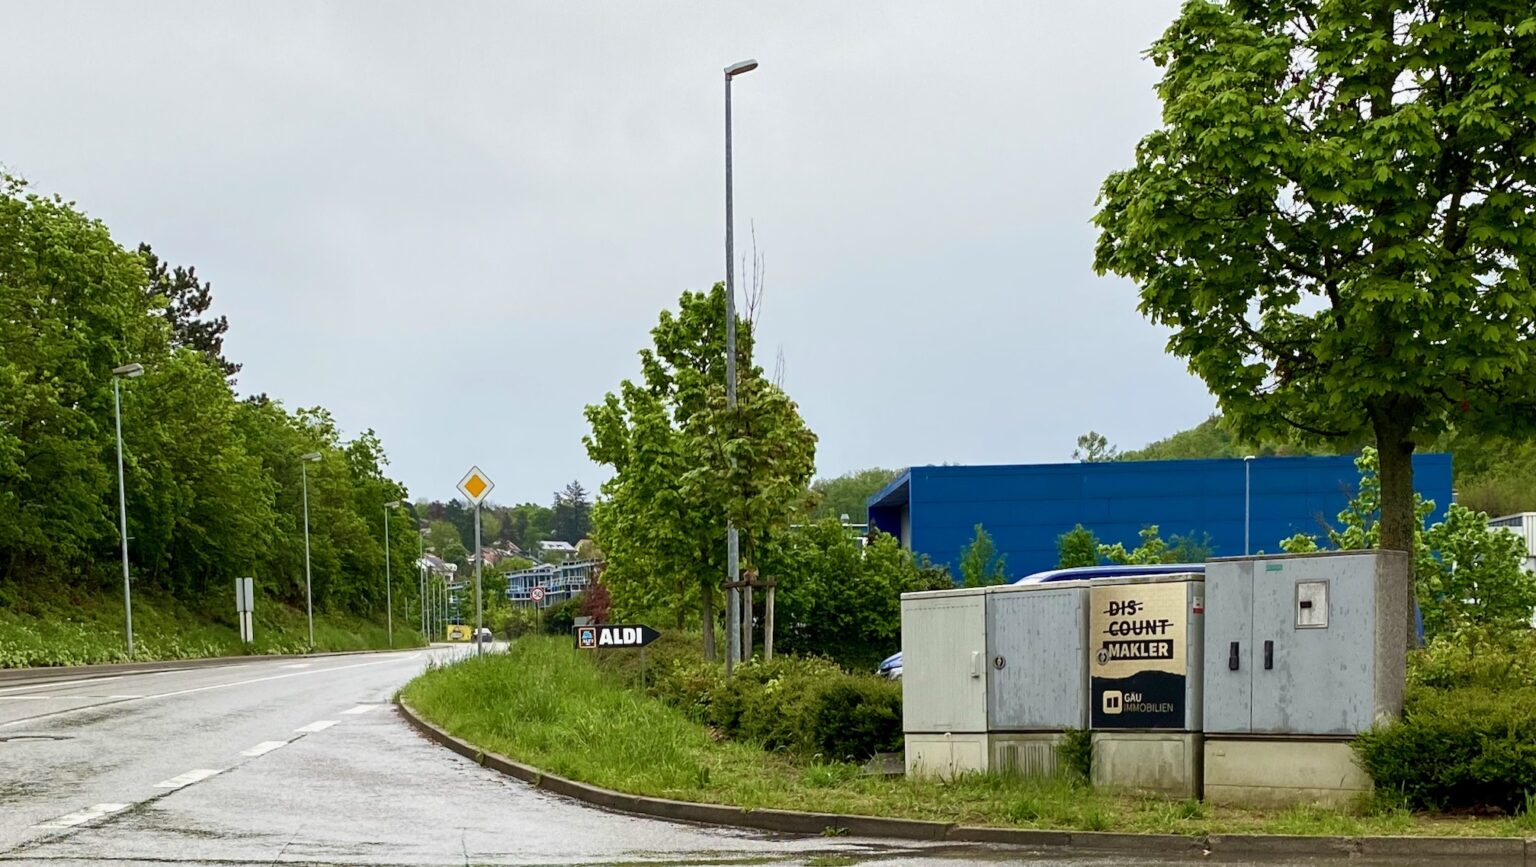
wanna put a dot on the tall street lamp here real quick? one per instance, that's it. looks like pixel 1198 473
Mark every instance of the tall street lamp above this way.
pixel 389 599
pixel 127 371
pixel 1247 499
pixel 732 551
pixel 309 596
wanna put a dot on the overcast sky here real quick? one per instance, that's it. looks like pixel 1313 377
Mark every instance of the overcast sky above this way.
pixel 456 223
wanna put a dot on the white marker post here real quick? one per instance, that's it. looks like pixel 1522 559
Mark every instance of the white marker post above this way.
pixel 245 608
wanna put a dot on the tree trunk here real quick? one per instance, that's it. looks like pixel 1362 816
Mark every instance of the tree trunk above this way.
pixel 1395 452
pixel 707 618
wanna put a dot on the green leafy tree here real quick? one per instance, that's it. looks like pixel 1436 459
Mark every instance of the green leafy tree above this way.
pixel 980 565
pixel 1151 550
pixel 849 494
pixel 1334 219
pixel 1094 448
pixel 1077 547
pixel 684 463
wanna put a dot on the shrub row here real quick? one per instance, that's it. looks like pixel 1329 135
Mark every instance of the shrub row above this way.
pixel 1463 748
pixel 797 704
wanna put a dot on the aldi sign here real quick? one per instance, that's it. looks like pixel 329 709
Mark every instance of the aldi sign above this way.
pixel 598 637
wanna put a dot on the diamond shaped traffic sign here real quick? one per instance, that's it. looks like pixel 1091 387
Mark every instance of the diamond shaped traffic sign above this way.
pixel 476 485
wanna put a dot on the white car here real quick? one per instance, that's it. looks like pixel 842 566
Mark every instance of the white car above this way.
pixel 483 637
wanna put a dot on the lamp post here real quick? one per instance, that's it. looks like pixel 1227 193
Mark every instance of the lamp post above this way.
pixel 127 371
pixel 309 597
pixel 732 548
pixel 1247 500
pixel 421 579
pixel 389 597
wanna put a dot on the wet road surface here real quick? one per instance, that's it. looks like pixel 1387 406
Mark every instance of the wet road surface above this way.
pixel 284 762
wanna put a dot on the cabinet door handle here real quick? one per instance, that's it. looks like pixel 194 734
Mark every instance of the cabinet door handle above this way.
pixel 1232 663
pixel 1269 655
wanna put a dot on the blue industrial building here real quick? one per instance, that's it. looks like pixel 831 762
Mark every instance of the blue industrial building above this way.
pixel 934 510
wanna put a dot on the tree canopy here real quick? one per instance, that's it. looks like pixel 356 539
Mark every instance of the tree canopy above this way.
pixel 1336 219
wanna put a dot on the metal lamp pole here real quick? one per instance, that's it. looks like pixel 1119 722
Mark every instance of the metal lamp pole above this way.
pixel 389 586
pixel 309 598
pixel 127 371
pixel 732 549
pixel 1247 500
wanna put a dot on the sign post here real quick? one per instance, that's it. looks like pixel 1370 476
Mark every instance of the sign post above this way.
pixel 476 485
pixel 616 635
pixel 245 608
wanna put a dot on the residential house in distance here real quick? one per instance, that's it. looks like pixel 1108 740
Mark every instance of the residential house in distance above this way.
pixel 553 546
pixel 560 581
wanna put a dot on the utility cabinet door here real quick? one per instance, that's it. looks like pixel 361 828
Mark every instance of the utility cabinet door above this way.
pixel 1037 661
pixel 1313 634
pixel 943 657
pixel 1229 656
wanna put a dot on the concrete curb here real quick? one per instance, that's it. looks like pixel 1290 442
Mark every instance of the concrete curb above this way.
pixel 47 673
pixel 1510 851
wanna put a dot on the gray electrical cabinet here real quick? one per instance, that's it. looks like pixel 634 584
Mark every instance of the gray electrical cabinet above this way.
pixel 1302 653
pixel 1037 659
pixel 1310 644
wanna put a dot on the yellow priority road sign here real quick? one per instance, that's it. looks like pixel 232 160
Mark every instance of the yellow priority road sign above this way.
pixel 476 485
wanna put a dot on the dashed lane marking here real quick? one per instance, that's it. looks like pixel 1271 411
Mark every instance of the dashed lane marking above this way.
pixel 318 726
pixel 188 778
pixel 263 748
pixel 362 708
pixel 80 818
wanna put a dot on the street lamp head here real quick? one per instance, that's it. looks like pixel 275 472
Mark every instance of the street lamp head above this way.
pixel 129 371
pixel 312 457
pixel 1249 457
pixel 736 69
pixel 394 504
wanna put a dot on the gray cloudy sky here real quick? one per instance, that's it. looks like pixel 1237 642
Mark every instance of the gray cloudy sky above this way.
pixel 421 213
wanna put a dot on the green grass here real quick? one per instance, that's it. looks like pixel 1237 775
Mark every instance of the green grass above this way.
pixel 91 631
pixel 542 704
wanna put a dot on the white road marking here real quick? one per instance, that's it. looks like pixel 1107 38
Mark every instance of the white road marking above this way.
pixel 29 697
pixel 47 684
pixel 319 726
pixel 122 697
pixel 83 816
pixel 297 665
pixel 194 689
pixel 188 778
pixel 362 708
pixel 263 748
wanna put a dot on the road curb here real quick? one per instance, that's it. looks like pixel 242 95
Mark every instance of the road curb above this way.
pixel 1511 851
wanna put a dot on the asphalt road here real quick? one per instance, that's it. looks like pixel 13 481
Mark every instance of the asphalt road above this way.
pixel 306 762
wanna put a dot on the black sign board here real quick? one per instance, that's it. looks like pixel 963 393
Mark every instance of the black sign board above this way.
pixel 617 635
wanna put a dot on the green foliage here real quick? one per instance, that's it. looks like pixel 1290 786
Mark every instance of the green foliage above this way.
pixel 1151 550
pixel 1075 753
pixel 1481 745
pixel 684 464
pixel 1077 547
pixel 560 618
pixel 1333 223
pixel 849 494
pixel 1468 574
pixel 1472 656
pixel 1094 448
pixel 1213 438
pixel 980 565
pixel 795 704
pixel 571 516
pixel 837 598
pixel 213 483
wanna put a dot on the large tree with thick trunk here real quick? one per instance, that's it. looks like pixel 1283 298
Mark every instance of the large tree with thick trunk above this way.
pixel 1337 218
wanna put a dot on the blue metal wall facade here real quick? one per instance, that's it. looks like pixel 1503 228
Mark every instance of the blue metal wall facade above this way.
pixel 1025 507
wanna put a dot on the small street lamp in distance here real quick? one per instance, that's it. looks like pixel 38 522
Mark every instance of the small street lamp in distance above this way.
pixel 733 643
pixel 389 600
pixel 132 370
pixel 309 597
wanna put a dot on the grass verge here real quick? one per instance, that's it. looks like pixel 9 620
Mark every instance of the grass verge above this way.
pixel 91 632
pixel 542 704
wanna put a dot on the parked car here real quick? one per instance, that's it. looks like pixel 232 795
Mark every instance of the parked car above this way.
pixel 484 636
pixel 890 667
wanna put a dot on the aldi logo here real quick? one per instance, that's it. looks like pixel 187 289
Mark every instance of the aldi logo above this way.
pixel 586 637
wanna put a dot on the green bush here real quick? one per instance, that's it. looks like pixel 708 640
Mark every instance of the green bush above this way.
pixel 560 619
pixel 1490 658
pixel 795 704
pixel 1075 753
pixel 1457 748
